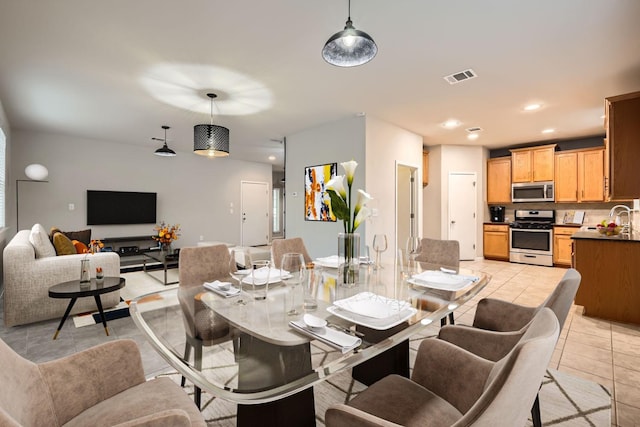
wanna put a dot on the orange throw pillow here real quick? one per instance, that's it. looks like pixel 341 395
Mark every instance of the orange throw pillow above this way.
pixel 81 248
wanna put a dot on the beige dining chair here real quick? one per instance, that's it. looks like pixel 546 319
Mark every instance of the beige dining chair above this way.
pixel 202 326
pixel 279 247
pixel 451 386
pixel 501 316
pixel 103 385
pixel 443 252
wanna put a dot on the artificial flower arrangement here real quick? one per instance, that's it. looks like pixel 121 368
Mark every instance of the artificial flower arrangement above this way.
pixel 341 199
pixel 95 246
pixel 166 233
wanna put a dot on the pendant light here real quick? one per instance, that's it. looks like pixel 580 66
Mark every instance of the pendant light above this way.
pixel 211 140
pixel 164 151
pixel 349 47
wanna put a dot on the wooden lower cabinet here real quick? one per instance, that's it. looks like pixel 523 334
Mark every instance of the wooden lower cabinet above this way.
pixel 496 241
pixel 563 246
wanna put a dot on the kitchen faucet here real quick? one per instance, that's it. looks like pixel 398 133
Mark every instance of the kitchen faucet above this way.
pixel 626 228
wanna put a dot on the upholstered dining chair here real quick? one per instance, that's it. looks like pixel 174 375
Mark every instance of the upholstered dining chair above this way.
pixel 495 315
pixel 279 247
pixel 443 252
pixel 451 386
pixel 100 386
pixel 203 328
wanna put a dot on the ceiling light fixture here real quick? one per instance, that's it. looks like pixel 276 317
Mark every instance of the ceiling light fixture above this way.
pixel 451 124
pixel 548 130
pixel 349 47
pixel 532 107
pixel 211 140
pixel 473 136
pixel 164 151
pixel 272 157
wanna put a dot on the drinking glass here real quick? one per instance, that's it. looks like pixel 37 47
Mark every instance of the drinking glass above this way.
pixel 412 247
pixel 379 245
pixel 292 273
pixel 260 271
pixel 240 258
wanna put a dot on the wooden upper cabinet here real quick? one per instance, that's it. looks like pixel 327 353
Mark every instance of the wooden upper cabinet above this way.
pixel 533 164
pixel 623 138
pixel 499 180
pixel 425 168
pixel 579 176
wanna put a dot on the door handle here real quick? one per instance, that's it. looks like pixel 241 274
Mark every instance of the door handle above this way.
pixel 453 222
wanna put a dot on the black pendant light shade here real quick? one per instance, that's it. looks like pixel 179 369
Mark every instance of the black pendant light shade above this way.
pixel 349 47
pixel 211 140
pixel 164 151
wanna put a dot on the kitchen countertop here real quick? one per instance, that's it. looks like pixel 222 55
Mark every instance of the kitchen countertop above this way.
pixel 594 235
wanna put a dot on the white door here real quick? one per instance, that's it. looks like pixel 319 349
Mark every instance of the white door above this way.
pixel 255 213
pixel 462 212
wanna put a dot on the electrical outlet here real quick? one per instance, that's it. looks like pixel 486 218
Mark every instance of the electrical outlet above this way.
pixel 201 238
pixel 72 207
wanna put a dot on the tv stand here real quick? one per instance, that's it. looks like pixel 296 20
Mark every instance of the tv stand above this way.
pixel 131 250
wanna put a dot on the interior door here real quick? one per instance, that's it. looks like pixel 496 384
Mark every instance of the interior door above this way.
pixel 462 212
pixel 255 213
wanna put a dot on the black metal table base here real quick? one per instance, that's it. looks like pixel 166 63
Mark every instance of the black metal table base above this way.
pixel 393 361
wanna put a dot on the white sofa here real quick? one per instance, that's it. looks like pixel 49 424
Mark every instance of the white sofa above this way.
pixel 27 280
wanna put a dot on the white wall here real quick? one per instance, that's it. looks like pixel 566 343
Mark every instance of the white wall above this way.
pixel 5 232
pixel 334 142
pixel 194 191
pixel 432 196
pixel 386 146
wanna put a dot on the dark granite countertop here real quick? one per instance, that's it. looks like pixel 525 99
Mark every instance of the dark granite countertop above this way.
pixel 594 235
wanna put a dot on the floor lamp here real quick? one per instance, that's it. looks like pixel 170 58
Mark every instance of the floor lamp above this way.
pixel 36 173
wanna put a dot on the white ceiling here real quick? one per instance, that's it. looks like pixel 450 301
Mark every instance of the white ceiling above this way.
pixel 115 70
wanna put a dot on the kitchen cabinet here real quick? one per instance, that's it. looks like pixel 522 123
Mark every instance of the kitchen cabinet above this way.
pixel 579 176
pixel 622 124
pixel 533 164
pixel 563 245
pixel 496 241
pixel 425 168
pixel 499 180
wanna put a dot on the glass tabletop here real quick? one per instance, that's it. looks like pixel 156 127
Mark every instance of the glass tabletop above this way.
pixel 253 354
pixel 162 256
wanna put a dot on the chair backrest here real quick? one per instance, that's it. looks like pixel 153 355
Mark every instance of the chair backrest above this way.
pixel 203 264
pixel 24 396
pixel 513 384
pixel 562 297
pixel 443 252
pixel 279 247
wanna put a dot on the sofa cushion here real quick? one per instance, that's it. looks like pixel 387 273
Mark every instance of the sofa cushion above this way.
pixel 81 248
pixel 41 243
pixel 83 236
pixel 63 245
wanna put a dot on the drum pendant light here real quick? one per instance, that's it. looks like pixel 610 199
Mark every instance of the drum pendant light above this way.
pixel 211 140
pixel 164 151
pixel 349 47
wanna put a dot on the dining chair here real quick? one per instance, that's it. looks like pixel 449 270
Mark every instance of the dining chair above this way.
pixel 451 386
pixel 279 247
pixel 203 327
pixel 504 317
pixel 443 252
pixel 103 385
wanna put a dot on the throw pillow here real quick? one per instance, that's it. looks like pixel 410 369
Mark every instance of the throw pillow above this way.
pixel 81 248
pixel 63 245
pixel 53 231
pixel 83 236
pixel 41 243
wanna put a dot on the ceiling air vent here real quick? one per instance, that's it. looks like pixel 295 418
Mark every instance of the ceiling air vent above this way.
pixel 475 129
pixel 460 76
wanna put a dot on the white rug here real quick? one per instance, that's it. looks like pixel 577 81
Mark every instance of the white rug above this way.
pixel 138 283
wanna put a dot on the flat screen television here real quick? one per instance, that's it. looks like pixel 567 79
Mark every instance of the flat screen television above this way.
pixel 120 207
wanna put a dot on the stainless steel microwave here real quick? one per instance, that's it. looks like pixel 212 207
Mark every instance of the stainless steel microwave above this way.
pixel 532 192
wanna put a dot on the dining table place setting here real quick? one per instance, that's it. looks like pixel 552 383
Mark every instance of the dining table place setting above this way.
pixel 224 289
pixel 443 279
pixel 261 275
pixel 373 311
pixel 315 327
pixel 334 261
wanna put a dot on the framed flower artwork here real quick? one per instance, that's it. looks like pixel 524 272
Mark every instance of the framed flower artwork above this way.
pixel 317 204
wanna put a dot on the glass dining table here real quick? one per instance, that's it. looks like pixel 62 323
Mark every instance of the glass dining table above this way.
pixel 269 365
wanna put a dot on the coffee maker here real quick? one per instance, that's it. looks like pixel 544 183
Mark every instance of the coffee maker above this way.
pixel 497 213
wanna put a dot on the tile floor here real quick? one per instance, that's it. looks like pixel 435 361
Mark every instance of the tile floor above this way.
pixel 602 351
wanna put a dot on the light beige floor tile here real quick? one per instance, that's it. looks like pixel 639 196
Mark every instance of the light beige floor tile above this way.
pixel 626 360
pixel 608 383
pixel 628 395
pixel 627 416
pixel 585 364
pixel 630 377
pixel 589 339
pixel 588 351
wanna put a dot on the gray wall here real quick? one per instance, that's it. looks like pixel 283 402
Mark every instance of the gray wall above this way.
pixel 5 232
pixel 193 191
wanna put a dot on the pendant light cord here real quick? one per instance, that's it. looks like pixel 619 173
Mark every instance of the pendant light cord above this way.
pixel 211 117
pixel 349 14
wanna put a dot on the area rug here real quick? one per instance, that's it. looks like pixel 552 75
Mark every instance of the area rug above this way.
pixel 138 283
pixel 565 401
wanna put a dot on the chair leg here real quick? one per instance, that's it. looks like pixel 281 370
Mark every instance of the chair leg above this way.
pixel 535 412
pixel 451 321
pixel 187 354
pixel 443 321
pixel 197 363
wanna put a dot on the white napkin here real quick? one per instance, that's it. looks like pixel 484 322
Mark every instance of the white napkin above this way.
pixel 215 287
pixel 261 274
pixel 332 261
pixel 371 305
pixel 340 340
pixel 440 280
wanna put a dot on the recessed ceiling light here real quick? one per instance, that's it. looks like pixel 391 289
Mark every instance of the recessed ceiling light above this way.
pixel 473 136
pixel 532 107
pixel 451 124
pixel 548 130
pixel 272 157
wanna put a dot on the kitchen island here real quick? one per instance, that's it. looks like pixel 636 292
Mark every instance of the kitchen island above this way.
pixel 610 269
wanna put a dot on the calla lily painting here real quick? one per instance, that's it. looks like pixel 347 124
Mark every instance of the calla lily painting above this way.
pixel 317 203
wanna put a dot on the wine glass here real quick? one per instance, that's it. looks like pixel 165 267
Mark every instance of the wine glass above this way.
pixel 240 258
pixel 413 247
pixel 379 245
pixel 292 273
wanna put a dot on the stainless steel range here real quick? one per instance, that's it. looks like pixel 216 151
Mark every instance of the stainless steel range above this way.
pixel 531 237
